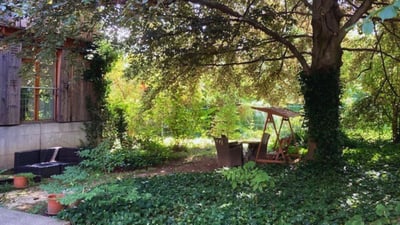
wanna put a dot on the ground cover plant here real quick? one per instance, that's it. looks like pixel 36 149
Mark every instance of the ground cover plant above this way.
pixel 362 190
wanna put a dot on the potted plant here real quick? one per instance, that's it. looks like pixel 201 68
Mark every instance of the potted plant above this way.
pixel 66 189
pixel 53 204
pixel 22 180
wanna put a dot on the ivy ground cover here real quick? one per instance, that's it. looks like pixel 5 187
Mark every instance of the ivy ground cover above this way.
pixel 364 190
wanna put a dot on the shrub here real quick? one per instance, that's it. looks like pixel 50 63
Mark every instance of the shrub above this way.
pixel 75 181
pixel 6 188
pixel 248 175
pixel 79 184
pixel 101 158
pixel 105 157
pixel 388 214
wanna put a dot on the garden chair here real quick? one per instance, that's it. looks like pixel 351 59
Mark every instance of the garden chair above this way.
pixel 228 154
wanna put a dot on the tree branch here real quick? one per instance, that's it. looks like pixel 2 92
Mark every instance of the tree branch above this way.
pixel 394 33
pixel 225 9
pixel 374 50
pixel 392 88
pixel 215 5
pixel 364 7
pixel 248 7
pixel 307 4
pixel 259 59
pixel 351 3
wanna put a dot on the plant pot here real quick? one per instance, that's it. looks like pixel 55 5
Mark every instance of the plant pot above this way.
pixel 20 182
pixel 53 205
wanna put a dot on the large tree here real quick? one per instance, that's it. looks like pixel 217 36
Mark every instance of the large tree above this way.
pixel 243 41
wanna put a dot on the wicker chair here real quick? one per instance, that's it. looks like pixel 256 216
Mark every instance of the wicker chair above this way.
pixel 228 154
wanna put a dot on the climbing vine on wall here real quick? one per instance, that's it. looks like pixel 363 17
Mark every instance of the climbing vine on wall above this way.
pixel 101 58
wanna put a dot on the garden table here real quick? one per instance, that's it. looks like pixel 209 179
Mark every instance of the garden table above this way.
pixel 252 146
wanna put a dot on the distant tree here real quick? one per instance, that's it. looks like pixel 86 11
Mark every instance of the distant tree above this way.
pixel 252 41
pixel 377 98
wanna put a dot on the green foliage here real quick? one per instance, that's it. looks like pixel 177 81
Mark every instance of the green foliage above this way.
pixel 6 188
pixel 189 111
pixel 147 153
pixel 226 117
pixel 117 127
pixel 110 193
pixel 372 97
pixel 355 220
pixel 100 158
pixel 101 59
pixel 302 194
pixel 387 215
pixel 183 112
pixel 39 208
pixel 180 113
pixel 361 112
pixel 75 182
pixel 248 175
pixel 250 52
pixel 81 185
pixel 107 157
pixel 27 175
pixel 321 91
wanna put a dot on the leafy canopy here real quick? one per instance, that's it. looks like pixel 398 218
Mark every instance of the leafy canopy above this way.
pixel 256 46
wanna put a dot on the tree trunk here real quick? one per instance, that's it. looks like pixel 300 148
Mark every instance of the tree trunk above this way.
pixel 396 121
pixel 321 86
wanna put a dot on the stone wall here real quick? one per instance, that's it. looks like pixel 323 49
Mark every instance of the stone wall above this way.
pixel 26 137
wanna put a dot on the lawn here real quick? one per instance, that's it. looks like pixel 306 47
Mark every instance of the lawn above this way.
pixel 364 189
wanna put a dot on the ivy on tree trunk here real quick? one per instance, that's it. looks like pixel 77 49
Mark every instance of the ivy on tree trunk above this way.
pixel 321 90
pixel 320 85
pixel 396 121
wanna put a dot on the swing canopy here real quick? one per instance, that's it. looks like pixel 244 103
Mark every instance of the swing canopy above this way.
pixel 285 113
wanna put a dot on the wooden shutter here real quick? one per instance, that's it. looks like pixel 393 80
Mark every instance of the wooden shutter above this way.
pixel 73 91
pixel 63 86
pixel 10 86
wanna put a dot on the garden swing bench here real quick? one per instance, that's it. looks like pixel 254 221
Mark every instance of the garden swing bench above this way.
pixel 281 146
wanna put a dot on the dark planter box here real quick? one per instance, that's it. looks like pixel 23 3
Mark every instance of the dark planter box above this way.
pixel 38 161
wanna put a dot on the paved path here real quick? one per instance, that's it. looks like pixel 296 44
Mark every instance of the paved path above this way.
pixel 12 217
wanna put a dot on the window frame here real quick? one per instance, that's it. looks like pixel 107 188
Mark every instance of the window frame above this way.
pixel 37 88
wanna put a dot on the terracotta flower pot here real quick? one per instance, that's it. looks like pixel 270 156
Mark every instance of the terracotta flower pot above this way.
pixel 53 205
pixel 20 182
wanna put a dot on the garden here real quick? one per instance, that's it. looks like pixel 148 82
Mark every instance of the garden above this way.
pixel 362 190
pixel 171 75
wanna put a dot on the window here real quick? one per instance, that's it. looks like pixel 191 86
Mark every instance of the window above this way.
pixel 32 91
pixel 38 91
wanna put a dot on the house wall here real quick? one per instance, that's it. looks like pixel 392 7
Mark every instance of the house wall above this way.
pixel 26 137
pixel 72 94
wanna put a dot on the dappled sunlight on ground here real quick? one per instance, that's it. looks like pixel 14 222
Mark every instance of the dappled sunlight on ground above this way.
pixel 26 199
pixel 23 199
